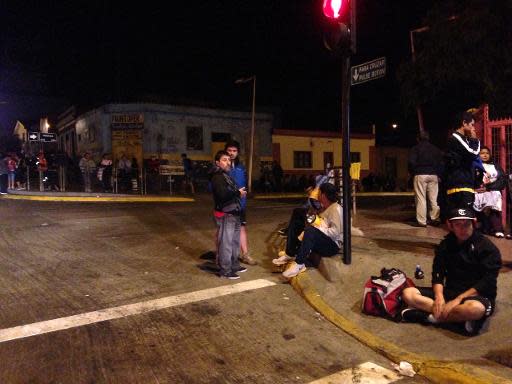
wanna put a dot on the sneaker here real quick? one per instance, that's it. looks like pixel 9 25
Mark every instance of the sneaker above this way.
pixel 230 275
pixel 247 259
pixel 294 270
pixel 418 225
pixel 435 223
pixel 240 269
pixel 499 235
pixel 413 315
pixel 282 259
pixel 473 327
pixel 508 237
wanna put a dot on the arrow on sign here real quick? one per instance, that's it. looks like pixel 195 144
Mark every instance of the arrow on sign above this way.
pixel 355 76
pixel 33 136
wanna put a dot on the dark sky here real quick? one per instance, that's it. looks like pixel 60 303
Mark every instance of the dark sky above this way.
pixel 91 52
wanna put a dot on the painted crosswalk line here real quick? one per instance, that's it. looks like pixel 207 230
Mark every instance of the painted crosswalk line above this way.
pixel 82 319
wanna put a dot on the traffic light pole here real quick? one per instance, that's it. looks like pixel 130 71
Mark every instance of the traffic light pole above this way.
pixel 345 126
pixel 347 190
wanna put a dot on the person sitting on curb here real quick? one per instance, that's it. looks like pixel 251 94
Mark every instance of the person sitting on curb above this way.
pixel 464 278
pixel 296 226
pixel 324 236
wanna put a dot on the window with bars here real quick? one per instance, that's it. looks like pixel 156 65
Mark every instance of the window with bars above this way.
pixel 302 159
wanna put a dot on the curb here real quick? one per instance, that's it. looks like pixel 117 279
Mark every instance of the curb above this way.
pixel 438 371
pixel 95 199
pixel 270 196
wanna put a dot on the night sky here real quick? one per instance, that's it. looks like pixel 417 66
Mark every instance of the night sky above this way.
pixel 188 52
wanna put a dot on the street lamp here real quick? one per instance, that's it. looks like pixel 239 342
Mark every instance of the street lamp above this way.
pixel 413 54
pixel 251 147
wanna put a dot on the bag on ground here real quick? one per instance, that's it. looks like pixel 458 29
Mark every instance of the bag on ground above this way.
pixel 383 294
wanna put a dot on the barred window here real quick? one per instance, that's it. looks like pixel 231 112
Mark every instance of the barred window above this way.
pixel 302 159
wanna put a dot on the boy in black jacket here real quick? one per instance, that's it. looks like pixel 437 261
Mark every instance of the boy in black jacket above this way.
pixel 464 278
pixel 226 196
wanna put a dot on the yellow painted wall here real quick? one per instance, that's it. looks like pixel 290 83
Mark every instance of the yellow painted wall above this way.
pixel 319 145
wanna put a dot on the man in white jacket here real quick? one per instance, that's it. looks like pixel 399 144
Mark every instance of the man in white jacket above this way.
pixel 324 236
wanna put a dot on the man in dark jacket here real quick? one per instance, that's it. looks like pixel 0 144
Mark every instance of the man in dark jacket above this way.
pixel 463 149
pixel 425 163
pixel 464 278
pixel 226 198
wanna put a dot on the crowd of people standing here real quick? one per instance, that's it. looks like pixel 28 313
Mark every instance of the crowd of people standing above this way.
pixel 464 176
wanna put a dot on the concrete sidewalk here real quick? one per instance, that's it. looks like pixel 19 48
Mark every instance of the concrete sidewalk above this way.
pixel 95 197
pixel 439 354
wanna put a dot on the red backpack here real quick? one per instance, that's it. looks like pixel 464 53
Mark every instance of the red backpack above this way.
pixel 383 294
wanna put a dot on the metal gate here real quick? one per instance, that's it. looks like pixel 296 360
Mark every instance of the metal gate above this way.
pixel 498 137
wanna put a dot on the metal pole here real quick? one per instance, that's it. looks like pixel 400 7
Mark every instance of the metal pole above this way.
pixel 413 54
pixel 251 149
pixel 345 126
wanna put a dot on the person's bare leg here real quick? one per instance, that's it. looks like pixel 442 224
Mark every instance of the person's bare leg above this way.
pixel 244 246
pixel 413 298
pixel 470 310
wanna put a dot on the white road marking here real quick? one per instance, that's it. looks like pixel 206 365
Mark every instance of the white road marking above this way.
pixel 59 324
pixel 366 373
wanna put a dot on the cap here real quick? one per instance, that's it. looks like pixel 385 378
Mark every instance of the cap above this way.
pixel 461 214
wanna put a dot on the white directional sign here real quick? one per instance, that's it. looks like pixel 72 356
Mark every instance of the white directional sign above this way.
pixel 368 71
pixel 48 137
pixel 33 136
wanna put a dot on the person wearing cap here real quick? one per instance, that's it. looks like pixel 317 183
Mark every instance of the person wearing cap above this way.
pixel 464 278
pixel 325 234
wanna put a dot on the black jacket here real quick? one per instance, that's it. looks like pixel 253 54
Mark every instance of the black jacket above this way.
pixel 461 151
pixel 425 159
pixel 226 195
pixel 472 264
pixel 501 180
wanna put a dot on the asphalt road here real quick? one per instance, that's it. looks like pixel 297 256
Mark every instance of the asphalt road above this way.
pixel 119 293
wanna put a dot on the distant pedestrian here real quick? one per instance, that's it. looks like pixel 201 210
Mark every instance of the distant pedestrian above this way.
pixel 12 165
pixel 3 174
pixel 277 172
pixel 124 169
pixel 425 165
pixel 87 167
pixel 226 197
pixel 105 173
pixel 188 169
pixel 463 149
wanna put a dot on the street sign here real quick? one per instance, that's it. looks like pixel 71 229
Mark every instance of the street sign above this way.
pixel 48 137
pixel 33 136
pixel 368 71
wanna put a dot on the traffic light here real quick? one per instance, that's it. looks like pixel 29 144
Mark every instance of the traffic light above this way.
pixel 337 29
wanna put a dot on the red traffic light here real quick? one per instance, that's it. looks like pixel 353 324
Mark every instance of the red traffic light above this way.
pixel 332 8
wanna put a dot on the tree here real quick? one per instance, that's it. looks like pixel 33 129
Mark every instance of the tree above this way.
pixel 9 143
pixel 463 57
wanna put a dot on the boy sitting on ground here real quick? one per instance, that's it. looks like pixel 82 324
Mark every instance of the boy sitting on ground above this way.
pixel 464 278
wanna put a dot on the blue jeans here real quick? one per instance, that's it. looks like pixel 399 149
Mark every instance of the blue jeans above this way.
pixel 228 240
pixel 315 241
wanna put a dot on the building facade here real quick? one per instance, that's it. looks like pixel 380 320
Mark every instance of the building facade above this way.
pixel 143 130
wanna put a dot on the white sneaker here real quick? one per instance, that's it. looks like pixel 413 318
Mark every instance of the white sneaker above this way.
pixel 294 270
pixel 499 235
pixel 282 259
